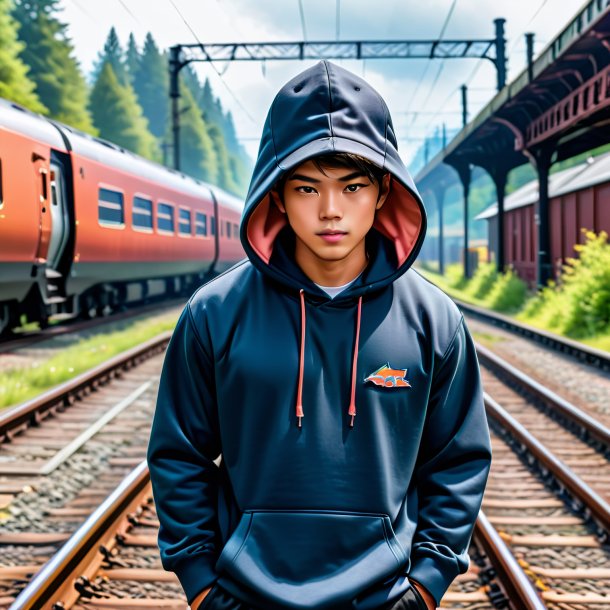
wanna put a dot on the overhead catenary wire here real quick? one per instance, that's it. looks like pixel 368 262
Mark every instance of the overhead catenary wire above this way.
pixel 338 21
pixel 302 13
pixel 220 75
pixel 423 76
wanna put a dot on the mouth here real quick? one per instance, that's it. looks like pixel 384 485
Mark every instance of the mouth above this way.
pixel 332 235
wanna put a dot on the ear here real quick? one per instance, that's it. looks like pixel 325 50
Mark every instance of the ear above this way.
pixel 275 198
pixel 384 191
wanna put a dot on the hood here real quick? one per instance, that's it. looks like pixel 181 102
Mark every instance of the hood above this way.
pixel 327 109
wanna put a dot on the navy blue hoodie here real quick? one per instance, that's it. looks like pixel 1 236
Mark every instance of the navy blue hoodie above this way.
pixel 353 436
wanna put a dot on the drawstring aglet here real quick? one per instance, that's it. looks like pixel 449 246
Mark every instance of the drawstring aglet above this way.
pixel 299 421
pixel 300 415
pixel 351 424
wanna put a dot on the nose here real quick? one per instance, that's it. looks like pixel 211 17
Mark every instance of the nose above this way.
pixel 329 206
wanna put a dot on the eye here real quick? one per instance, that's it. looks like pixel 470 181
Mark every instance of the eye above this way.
pixel 353 188
pixel 305 189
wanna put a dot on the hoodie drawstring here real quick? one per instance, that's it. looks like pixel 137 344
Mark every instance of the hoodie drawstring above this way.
pixel 352 404
pixel 301 361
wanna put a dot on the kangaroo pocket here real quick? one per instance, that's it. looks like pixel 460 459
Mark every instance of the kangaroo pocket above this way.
pixel 311 559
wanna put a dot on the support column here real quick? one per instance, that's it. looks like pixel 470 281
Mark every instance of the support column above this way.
pixel 439 195
pixel 541 159
pixel 465 173
pixel 499 175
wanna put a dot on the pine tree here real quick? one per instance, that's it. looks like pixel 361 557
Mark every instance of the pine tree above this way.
pixel 151 84
pixel 132 58
pixel 15 83
pixel 112 54
pixel 224 177
pixel 119 117
pixel 49 54
pixel 197 155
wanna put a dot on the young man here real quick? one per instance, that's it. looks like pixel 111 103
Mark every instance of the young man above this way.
pixel 341 388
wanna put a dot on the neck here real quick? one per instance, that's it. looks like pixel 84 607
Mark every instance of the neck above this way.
pixel 331 272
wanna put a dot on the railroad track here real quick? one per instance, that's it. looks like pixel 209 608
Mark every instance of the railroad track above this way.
pixel 552 523
pixel 62 453
pixel 594 357
pixel 112 562
pixel 18 340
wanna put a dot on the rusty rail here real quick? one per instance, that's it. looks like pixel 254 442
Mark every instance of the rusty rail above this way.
pixel 53 586
pixel 554 405
pixel 586 498
pixel 518 587
pixel 15 420
pixel 581 352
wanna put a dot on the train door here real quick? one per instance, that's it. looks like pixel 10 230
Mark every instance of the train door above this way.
pixel 42 189
pixel 59 217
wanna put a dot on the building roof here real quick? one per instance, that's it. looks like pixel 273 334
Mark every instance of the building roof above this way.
pixel 595 170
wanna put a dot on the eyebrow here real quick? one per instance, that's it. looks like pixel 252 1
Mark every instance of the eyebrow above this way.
pixel 356 174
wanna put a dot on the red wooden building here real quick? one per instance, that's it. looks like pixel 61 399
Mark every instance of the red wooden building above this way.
pixel 579 199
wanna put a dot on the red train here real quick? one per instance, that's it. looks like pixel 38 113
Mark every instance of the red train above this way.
pixel 579 199
pixel 86 225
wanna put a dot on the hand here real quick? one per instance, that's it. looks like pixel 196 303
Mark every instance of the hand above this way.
pixel 197 601
pixel 430 603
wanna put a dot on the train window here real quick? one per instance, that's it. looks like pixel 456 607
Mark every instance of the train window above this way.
pixel 235 231
pixel 201 224
pixel 228 229
pixel 141 216
pixel 165 217
pixel 213 225
pixel 184 222
pixel 110 208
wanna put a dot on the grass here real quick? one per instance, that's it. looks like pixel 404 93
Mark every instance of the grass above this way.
pixel 544 322
pixel 22 383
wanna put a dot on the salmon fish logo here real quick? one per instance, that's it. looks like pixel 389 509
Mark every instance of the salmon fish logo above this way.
pixel 387 377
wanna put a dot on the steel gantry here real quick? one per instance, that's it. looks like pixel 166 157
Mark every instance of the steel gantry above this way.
pixel 493 49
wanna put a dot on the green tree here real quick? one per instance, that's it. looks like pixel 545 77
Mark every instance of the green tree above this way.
pixel 118 115
pixel 132 58
pixel 197 155
pixel 49 53
pixel 15 84
pixel 113 54
pixel 151 84
pixel 224 176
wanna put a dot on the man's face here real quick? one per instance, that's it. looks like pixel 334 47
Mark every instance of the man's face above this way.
pixel 331 212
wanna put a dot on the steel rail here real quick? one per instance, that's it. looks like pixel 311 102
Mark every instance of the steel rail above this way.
pixel 520 590
pixel 555 405
pixel 32 412
pixel 591 504
pixel 583 353
pixel 60 569
pixel 57 576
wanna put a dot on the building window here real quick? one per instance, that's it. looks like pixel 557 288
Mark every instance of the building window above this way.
pixel 141 217
pixel 184 222
pixel 201 224
pixel 110 207
pixel 165 217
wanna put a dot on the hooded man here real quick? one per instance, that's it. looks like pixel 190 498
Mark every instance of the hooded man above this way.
pixel 340 388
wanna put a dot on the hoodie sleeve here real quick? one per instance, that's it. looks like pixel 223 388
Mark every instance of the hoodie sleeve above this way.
pixel 183 444
pixel 453 465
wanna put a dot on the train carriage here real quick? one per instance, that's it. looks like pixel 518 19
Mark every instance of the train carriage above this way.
pixel 86 225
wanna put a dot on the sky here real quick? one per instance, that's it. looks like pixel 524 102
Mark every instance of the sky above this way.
pixel 421 94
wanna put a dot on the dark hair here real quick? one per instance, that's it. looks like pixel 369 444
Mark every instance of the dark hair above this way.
pixel 338 160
